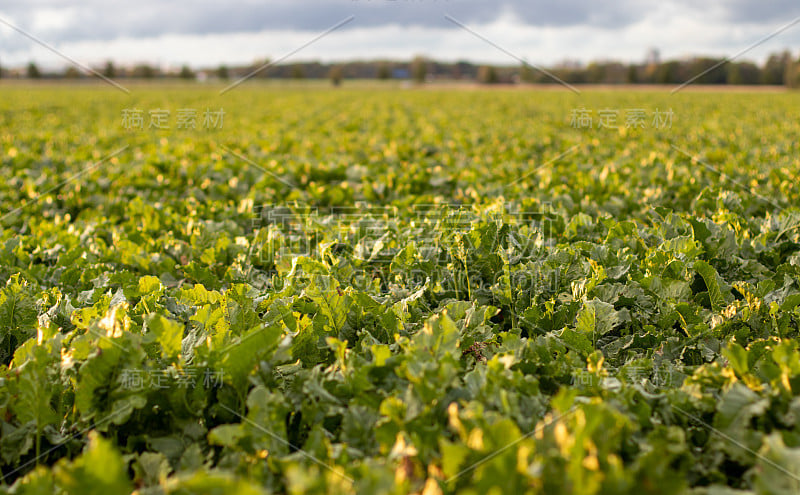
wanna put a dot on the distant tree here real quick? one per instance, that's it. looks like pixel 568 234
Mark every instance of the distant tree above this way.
pixel 263 67
pixel 144 71
pixel 222 72
pixel 775 68
pixel 743 73
pixel 33 71
pixel 668 73
pixel 488 75
pixel 298 72
pixel 792 73
pixel 570 75
pixel 72 73
pixel 734 75
pixel 527 74
pixel 110 71
pixel 649 74
pixel 419 69
pixel 464 70
pixel 335 75
pixel 712 71
pixel 595 73
pixel 633 74
pixel 186 73
pixel 384 71
pixel 614 73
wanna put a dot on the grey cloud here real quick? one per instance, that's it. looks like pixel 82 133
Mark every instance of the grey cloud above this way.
pixel 773 11
pixel 97 20
pixel 100 20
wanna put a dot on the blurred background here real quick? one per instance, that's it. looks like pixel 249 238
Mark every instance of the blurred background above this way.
pixel 580 41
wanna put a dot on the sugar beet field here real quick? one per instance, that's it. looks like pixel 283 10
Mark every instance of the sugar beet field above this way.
pixel 387 290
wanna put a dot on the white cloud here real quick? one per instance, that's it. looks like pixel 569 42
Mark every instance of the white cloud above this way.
pixel 54 19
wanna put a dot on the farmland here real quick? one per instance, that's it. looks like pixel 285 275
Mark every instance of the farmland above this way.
pixel 385 290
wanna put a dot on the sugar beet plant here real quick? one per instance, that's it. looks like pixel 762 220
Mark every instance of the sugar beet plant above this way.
pixel 399 292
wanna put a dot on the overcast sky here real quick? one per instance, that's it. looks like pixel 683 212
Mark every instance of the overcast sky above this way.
pixel 202 33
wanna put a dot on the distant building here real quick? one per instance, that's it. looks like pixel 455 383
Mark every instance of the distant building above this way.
pixel 653 57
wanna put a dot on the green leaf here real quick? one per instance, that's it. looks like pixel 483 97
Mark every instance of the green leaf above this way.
pixel 308 344
pixel 18 316
pixel 577 341
pixel 718 291
pixel 100 470
pixel 152 468
pixel 168 334
pixel 331 300
pixel 198 296
pixel 240 359
pixel 226 435
pixel 737 357
pixel 736 409
pixel 16 442
pixel 36 392
pixel 217 483
pixel 596 318
pixel 778 467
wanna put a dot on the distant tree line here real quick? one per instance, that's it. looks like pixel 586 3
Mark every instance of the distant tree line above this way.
pixel 779 68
